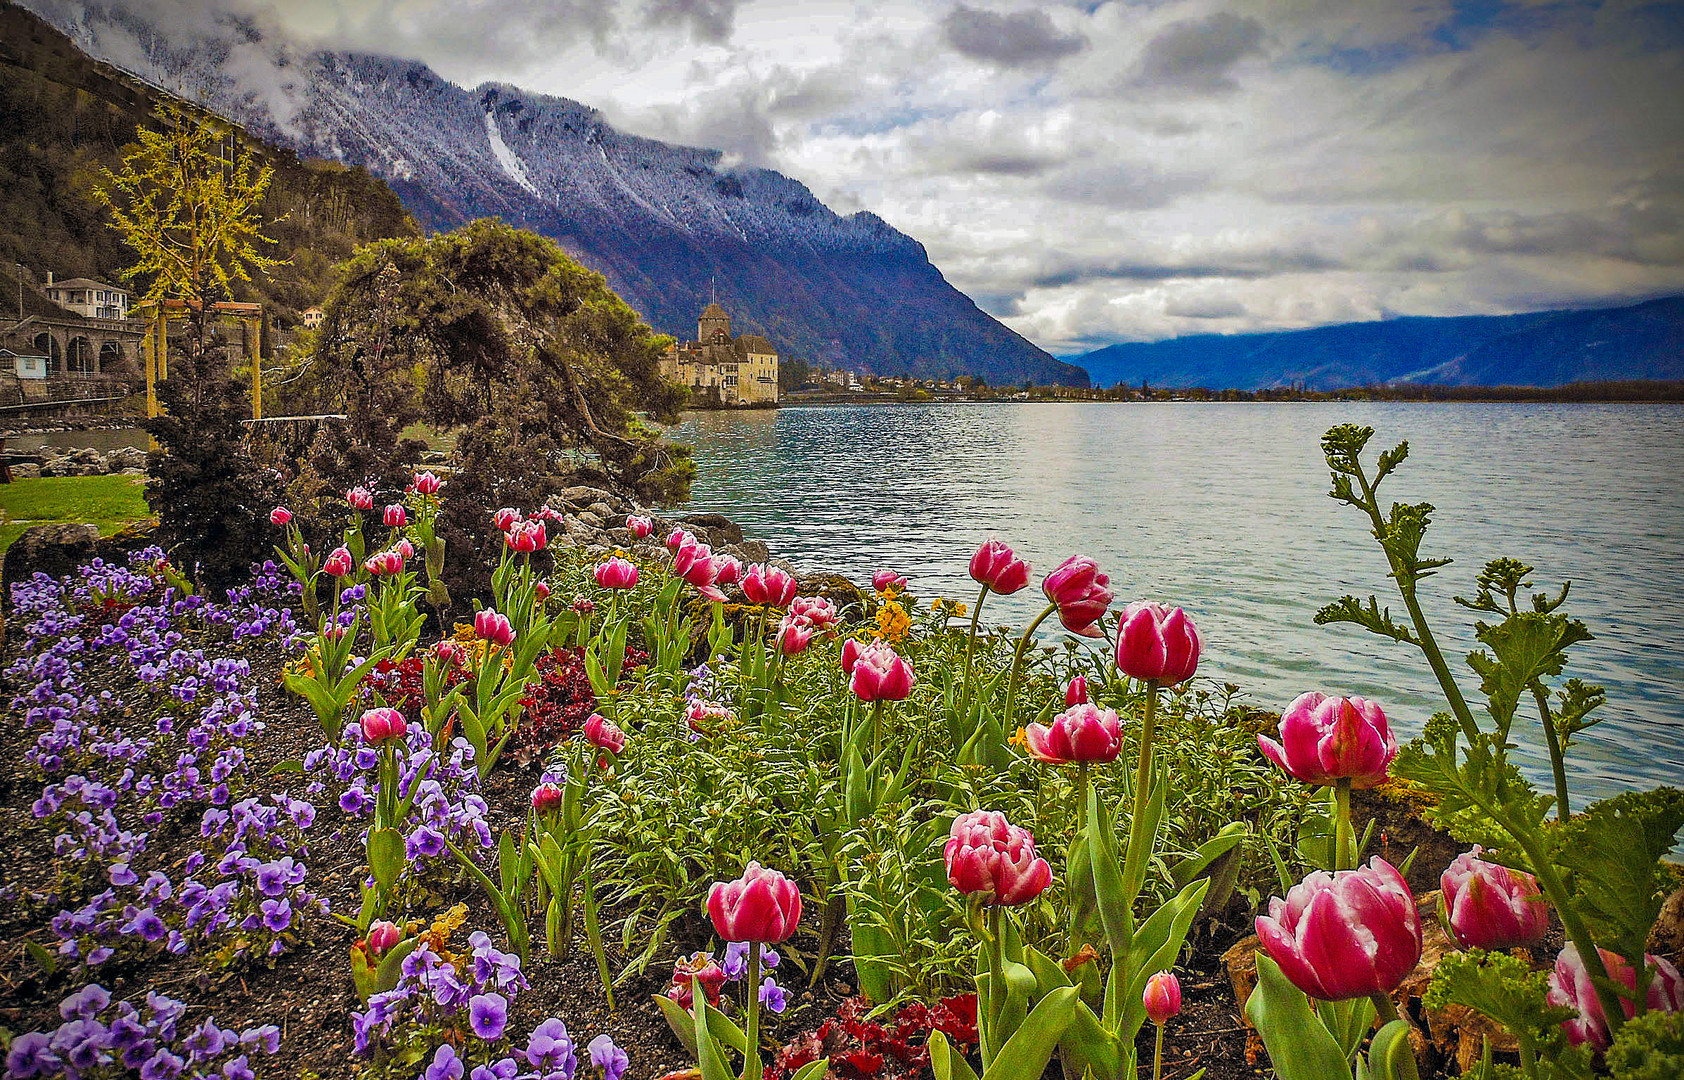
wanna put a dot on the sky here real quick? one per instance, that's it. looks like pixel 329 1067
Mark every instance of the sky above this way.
pixel 1122 171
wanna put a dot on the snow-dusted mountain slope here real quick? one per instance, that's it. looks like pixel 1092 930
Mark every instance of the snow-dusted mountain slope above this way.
pixel 670 226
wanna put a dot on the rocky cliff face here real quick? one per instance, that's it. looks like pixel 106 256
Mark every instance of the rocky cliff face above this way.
pixel 670 226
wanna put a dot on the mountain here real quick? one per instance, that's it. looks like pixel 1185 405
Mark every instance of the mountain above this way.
pixel 671 227
pixel 1545 348
pixel 64 116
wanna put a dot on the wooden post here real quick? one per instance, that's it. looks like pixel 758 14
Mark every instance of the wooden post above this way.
pixel 254 349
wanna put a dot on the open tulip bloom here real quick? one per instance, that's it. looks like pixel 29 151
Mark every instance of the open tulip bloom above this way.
pixel 1344 935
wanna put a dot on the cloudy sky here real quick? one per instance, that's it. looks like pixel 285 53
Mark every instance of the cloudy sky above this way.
pixel 1097 172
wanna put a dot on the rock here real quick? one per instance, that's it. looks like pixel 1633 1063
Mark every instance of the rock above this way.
pixel 600 509
pixel 26 470
pixel 581 496
pixel 56 549
pixel 720 530
pixel 1666 938
pixel 133 472
pixel 125 457
pixel 591 519
pixel 749 551
pixel 835 588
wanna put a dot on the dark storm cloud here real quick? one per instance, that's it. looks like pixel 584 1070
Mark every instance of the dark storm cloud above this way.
pixel 1198 55
pixel 1247 266
pixel 1021 39
pixel 708 20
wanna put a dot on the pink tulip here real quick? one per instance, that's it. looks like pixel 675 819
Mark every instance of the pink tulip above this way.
pixel 1162 997
pixel 281 516
pixel 450 652
pixel 1488 906
pixel 701 969
pixel 395 516
pixel 1571 987
pixel 383 937
pixel 1343 935
pixel 526 537
pixel 385 562
pixel 493 627
pixel 617 573
pixel 405 550
pixel 678 538
pixel 547 799
pixel 639 526
pixel 1080 733
pixel 1076 691
pixel 998 567
pixel 381 725
pixel 728 570
pixel 360 498
pixel 989 857
pixel 817 610
pixel 767 585
pixel 603 735
pixel 884 580
pixel 1079 590
pixel 694 563
pixel 1158 643
pixel 338 563
pixel 794 634
pixel 881 674
pixel 505 519
pixel 1326 739
pixel 852 650
pixel 541 589
pixel 425 483
pixel 761 906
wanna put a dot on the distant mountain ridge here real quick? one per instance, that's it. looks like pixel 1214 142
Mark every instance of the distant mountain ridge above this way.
pixel 671 227
pixel 1545 348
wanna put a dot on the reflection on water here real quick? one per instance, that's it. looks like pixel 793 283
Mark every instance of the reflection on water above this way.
pixel 1222 509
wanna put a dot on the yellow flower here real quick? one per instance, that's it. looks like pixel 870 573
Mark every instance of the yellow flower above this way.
pixel 1020 739
pixel 893 623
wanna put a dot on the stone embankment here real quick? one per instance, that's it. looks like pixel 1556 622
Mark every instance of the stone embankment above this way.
pixel 85 461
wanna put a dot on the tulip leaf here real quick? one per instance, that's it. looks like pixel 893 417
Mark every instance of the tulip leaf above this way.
pixel 947 1062
pixel 1029 1049
pixel 1390 1057
pixel 813 1070
pixel 385 856
pixel 1208 852
pixel 1300 1046
pixel 1156 945
pixel 1086 1045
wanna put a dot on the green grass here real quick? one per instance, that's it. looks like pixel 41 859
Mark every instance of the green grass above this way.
pixel 109 502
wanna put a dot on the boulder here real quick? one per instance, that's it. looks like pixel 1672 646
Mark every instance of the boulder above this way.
pixel 581 496
pixel 56 549
pixel 601 509
pixel 26 470
pixel 715 530
pixel 835 588
pixel 749 551
pixel 125 457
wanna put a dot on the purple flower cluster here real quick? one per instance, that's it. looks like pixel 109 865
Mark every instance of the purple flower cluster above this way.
pixel 98 1038
pixel 436 999
pixel 243 894
pixel 735 966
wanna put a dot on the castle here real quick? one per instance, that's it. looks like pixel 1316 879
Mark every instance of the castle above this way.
pixel 742 371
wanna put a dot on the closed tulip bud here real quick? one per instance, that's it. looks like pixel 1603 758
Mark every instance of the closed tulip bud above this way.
pixel 616 573
pixel 990 858
pixel 639 526
pixel 281 516
pixel 998 567
pixel 526 537
pixel 1571 987
pixel 1326 739
pixel 493 627
pixel 1487 906
pixel 1344 935
pixel 383 937
pixel 761 906
pixel 1162 997
pixel 505 519
pixel 425 483
pixel 383 725
pixel 1159 643
pixel 547 799
pixel 881 674
pixel 678 538
pixel 727 569
pixel 794 634
pixel 1079 590
pixel 338 563
pixel 768 585
pixel 541 589
pixel 405 550
pixel 851 652
pixel 1076 691
pixel 450 652
pixel 1080 733
pixel 884 580
pixel 603 735
pixel 395 516
pixel 360 498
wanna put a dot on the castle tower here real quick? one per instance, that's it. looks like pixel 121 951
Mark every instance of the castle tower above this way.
pixel 713 320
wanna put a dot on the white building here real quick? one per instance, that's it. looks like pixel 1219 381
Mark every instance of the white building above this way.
pixel 85 296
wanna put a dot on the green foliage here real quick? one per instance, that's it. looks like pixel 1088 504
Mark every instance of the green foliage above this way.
pixel 1650 1047
pixel 109 502
pixel 1508 991
pixel 1613 851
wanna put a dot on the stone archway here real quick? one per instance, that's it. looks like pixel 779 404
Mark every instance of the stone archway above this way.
pixel 46 344
pixel 111 357
pixel 79 357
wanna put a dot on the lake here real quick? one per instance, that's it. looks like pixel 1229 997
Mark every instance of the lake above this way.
pixel 1222 509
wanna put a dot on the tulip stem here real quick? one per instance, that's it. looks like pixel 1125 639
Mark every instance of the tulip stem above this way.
pixel 1017 665
pixel 1344 834
pixel 876 730
pixel 1158 1056
pixel 1143 774
pixel 996 981
pixel 1385 1009
pixel 970 648
pixel 751 1035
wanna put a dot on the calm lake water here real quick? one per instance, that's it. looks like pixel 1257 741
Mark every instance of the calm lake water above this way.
pixel 1222 509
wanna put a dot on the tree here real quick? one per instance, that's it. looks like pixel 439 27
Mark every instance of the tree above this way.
pixel 185 199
